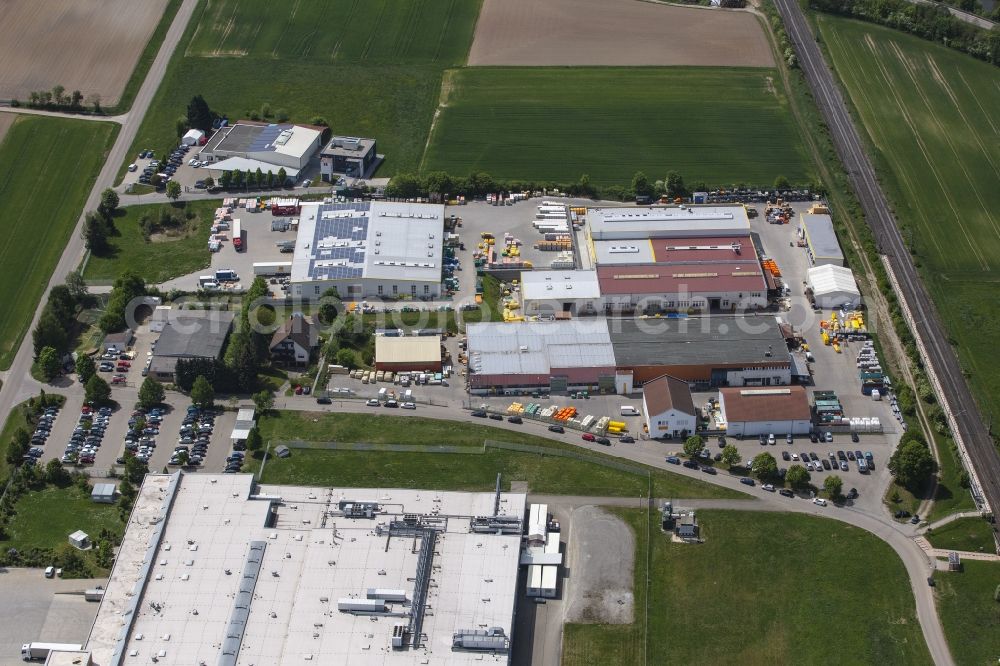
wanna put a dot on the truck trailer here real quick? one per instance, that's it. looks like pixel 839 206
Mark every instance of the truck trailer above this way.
pixel 40 651
pixel 269 268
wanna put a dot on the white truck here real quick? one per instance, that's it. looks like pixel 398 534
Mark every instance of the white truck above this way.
pixel 40 651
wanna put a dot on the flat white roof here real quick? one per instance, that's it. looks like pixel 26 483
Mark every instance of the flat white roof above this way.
pixel 376 240
pixel 517 348
pixel 543 285
pixel 214 543
pixel 296 141
pixel 830 279
pixel 656 221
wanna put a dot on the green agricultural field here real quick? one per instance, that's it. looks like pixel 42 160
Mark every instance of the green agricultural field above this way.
pixel 742 597
pixel 930 114
pixel 460 471
pixel 969 612
pixel 178 251
pixel 971 534
pixel 47 167
pixel 717 125
pixel 370 69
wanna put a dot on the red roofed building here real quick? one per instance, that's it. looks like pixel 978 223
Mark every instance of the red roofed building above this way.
pixel 765 411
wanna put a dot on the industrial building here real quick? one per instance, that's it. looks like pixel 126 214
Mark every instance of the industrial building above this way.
pixel 189 334
pixel 214 569
pixel 349 156
pixel 409 353
pixel 821 240
pixel 669 408
pixel 620 355
pixel 245 422
pixel 365 249
pixel 675 259
pixel 269 147
pixel 833 287
pixel 666 222
pixel 546 293
pixel 703 351
pixel 558 356
pixel 750 412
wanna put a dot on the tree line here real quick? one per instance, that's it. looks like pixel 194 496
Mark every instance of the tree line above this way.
pixel 440 183
pixel 931 22
pixel 57 100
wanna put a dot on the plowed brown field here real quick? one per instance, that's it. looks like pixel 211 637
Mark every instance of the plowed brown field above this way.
pixel 86 45
pixel 615 32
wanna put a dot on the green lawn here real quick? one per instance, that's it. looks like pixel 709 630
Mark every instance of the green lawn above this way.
pixel 971 534
pixel 744 597
pixel 179 252
pixel 950 497
pixel 45 518
pixel 969 613
pixel 930 113
pixel 371 69
pixel 471 471
pixel 47 167
pixel 714 124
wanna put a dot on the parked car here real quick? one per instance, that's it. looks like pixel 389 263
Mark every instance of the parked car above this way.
pixel 690 464
pixel 855 438
pixel 556 428
pixel 372 402
pixel 479 414
pixel 819 501
pixel 768 487
pixel 408 405
pixel 673 460
pixel 785 455
pixel 603 441
pixel 514 419
pixel 587 437
pixel 627 439
pixel 496 417
pixel 747 481
pixel 708 469
pixel 852 493
pixel 786 492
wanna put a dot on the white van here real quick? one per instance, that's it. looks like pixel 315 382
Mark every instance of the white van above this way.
pixel 50 572
pixel 629 410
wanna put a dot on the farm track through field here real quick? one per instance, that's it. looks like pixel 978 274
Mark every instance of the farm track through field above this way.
pixel 910 70
pixel 931 163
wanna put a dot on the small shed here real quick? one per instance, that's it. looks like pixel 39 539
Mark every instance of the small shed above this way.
pixel 282 451
pixel 244 424
pixel 103 492
pixel 79 539
pixel 193 137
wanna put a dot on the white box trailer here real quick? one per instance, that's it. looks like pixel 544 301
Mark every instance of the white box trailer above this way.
pixel 268 268
pixel 40 651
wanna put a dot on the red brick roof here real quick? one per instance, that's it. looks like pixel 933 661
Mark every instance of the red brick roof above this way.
pixel 665 393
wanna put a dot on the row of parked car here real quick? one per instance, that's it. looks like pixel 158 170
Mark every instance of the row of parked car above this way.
pixel 143 427
pixel 833 461
pixel 41 435
pixel 195 434
pixel 87 436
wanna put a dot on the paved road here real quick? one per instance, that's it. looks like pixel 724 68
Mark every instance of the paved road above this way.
pixel 120 119
pixel 900 536
pixel 943 363
pixel 17 382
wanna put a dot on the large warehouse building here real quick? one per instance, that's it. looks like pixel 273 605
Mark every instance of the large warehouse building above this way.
pixel 621 355
pixel 216 570
pixel 679 259
pixel 703 351
pixel 275 146
pixel 367 249
pixel 556 356
pixel 550 292
pixel 833 287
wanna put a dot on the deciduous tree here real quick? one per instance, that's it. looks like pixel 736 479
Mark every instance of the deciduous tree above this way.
pixel 912 464
pixel 764 466
pixel 49 364
pixel 202 393
pixel 693 446
pixel 173 190
pixel 85 368
pixel 833 485
pixel 151 393
pixel 730 455
pixel 798 476
pixel 97 391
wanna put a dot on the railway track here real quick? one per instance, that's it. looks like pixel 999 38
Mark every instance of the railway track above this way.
pixel 954 392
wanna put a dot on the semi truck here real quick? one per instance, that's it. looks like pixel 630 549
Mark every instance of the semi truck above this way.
pixel 40 651
pixel 237 236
